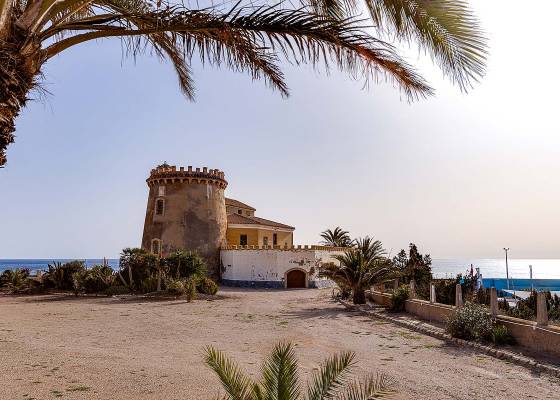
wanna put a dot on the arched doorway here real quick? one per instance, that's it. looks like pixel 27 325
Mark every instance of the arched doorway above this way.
pixel 296 279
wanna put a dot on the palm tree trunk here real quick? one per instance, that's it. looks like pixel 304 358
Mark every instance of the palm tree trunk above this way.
pixel 17 72
pixel 358 295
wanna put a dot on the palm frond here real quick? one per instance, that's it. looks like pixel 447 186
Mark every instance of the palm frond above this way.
pixel 280 374
pixel 330 377
pixel 377 386
pixel 252 40
pixel 234 381
pixel 447 29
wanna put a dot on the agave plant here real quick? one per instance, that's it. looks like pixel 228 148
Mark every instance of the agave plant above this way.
pixel 337 237
pixel 244 38
pixel 359 268
pixel 280 378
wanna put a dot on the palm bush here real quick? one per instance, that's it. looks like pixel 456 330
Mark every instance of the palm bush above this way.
pixel 247 37
pixel 359 268
pixel 280 378
pixel 336 238
pixel 61 275
pixel 206 285
pixel 16 280
pixel 184 264
pixel 94 280
pixel 138 268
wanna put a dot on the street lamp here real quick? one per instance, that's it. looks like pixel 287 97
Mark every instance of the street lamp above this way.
pixel 506 249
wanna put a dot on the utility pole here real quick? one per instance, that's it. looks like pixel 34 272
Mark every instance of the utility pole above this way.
pixel 506 249
pixel 531 276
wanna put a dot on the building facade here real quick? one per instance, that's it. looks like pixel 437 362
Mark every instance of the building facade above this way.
pixel 187 210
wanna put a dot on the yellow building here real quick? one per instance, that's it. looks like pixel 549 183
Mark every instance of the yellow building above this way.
pixel 244 229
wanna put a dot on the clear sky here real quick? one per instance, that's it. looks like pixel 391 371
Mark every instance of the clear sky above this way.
pixel 460 175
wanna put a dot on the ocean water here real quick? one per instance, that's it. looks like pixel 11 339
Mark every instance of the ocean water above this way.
pixel 441 268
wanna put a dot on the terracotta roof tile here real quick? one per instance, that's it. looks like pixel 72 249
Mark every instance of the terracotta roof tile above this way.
pixel 235 218
pixel 237 203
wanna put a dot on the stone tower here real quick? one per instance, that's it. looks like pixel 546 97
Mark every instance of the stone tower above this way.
pixel 186 210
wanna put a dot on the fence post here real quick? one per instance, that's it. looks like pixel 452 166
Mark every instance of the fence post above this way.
pixel 493 301
pixel 458 296
pixel 542 313
pixel 412 289
pixel 432 293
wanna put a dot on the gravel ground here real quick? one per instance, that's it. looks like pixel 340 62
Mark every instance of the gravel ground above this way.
pixel 110 348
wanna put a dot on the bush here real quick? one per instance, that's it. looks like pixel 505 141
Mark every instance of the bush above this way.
pixel 185 264
pixel 399 298
pixel 501 336
pixel 207 286
pixel 471 322
pixel 11 278
pixel 61 276
pixel 182 287
pixel 176 286
pixel 149 284
pixel 141 266
pixel 94 280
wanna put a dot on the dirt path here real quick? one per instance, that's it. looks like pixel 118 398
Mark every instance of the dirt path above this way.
pixel 107 348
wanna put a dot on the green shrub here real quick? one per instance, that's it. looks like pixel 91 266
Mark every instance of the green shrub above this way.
pixel 185 264
pixel 116 290
pixel 94 280
pixel 141 266
pixel 207 286
pixel 149 284
pixel 500 335
pixel 177 287
pixel 61 276
pixel 18 281
pixel 11 278
pixel 182 287
pixel 399 298
pixel 471 322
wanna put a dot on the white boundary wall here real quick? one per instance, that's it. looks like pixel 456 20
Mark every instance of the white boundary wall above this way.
pixel 269 267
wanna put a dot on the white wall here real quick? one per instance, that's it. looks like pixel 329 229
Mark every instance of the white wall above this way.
pixel 271 265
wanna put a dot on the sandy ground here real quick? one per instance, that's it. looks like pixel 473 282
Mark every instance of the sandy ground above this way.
pixel 109 348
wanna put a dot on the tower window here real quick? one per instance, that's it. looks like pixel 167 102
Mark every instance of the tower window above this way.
pixel 239 211
pixel 161 190
pixel 160 206
pixel 156 246
pixel 243 240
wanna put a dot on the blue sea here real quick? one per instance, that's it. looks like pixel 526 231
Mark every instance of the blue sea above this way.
pixel 441 268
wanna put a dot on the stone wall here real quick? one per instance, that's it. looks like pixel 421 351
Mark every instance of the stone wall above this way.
pixel 267 267
pixel 544 339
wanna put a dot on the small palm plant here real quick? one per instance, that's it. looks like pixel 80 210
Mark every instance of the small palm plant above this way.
pixel 337 238
pixel 280 378
pixel 359 268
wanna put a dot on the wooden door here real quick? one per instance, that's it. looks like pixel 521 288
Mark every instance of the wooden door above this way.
pixel 295 279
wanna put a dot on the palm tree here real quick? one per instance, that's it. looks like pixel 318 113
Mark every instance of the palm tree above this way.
pixel 360 267
pixel 244 38
pixel 280 378
pixel 336 238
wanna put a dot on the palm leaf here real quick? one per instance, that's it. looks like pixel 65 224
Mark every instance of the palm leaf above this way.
pixel 377 386
pixel 280 374
pixel 330 377
pixel 447 29
pixel 234 381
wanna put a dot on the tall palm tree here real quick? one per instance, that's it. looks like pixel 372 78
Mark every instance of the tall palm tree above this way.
pixel 280 378
pixel 337 237
pixel 244 38
pixel 360 267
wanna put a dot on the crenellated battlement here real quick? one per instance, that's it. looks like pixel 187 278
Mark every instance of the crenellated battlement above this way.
pixel 287 248
pixel 167 174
